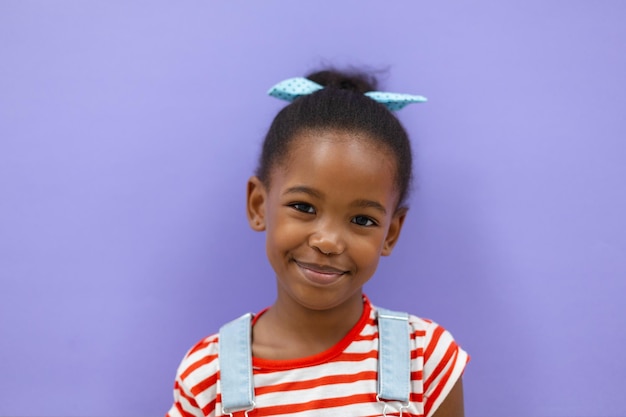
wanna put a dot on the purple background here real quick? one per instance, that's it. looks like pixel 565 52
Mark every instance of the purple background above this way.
pixel 128 130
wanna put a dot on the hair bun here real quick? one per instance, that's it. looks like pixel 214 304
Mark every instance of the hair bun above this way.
pixel 359 82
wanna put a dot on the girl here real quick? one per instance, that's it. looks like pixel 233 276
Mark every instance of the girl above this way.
pixel 330 193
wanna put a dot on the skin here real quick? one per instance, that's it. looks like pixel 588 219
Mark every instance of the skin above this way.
pixel 329 214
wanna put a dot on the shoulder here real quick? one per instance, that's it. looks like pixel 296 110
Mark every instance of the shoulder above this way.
pixel 436 342
pixel 422 331
pixel 434 347
pixel 431 334
pixel 200 360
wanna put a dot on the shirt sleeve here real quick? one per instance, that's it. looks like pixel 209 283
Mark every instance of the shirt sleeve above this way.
pixel 444 362
pixel 184 404
pixel 196 378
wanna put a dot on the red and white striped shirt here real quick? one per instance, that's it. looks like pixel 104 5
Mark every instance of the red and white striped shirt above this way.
pixel 340 381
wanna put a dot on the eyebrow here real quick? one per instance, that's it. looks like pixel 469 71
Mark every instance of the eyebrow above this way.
pixel 363 203
pixel 370 204
pixel 303 189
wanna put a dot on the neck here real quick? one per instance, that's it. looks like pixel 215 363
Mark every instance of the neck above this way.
pixel 289 330
pixel 318 324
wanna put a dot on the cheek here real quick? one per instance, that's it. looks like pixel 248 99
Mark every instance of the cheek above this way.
pixel 367 251
pixel 283 234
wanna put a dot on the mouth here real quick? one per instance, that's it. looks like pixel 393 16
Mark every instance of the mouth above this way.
pixel 320 274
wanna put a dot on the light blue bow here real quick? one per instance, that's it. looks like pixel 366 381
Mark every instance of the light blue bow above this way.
pixel 292 88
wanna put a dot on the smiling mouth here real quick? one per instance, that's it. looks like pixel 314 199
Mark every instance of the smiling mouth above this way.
pixel 320 274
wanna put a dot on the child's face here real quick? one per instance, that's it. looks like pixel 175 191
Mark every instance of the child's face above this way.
pixel 329 214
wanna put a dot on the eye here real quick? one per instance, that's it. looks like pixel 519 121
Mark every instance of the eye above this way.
pixel 363 221
pixel 303 207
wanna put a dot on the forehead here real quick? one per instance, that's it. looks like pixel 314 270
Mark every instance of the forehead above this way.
pixel 337 160
pixel 327 143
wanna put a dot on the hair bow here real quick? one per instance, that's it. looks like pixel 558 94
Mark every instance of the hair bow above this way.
pixel 292 88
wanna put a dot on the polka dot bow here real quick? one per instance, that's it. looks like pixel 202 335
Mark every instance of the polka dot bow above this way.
pixel 292 88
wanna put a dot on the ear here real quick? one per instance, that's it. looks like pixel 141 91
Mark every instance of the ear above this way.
pixel 393 233
pixel 255 204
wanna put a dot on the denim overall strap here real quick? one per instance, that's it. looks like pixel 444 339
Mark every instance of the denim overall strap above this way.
pixel 394 356
pixel 235 362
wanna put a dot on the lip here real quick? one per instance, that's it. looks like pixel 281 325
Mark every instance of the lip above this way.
pixel 320 274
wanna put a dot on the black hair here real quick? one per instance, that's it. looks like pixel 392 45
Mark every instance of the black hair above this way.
pixel 341 106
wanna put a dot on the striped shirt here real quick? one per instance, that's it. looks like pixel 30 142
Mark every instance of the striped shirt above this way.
pixel 341 381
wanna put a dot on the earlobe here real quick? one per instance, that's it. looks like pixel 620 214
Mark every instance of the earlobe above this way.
pixel 393 234
pixel 255 204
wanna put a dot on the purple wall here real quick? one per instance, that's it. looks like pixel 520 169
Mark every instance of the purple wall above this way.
pixel 128 130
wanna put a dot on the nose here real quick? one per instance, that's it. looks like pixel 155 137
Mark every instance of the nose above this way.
pixel 327 239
